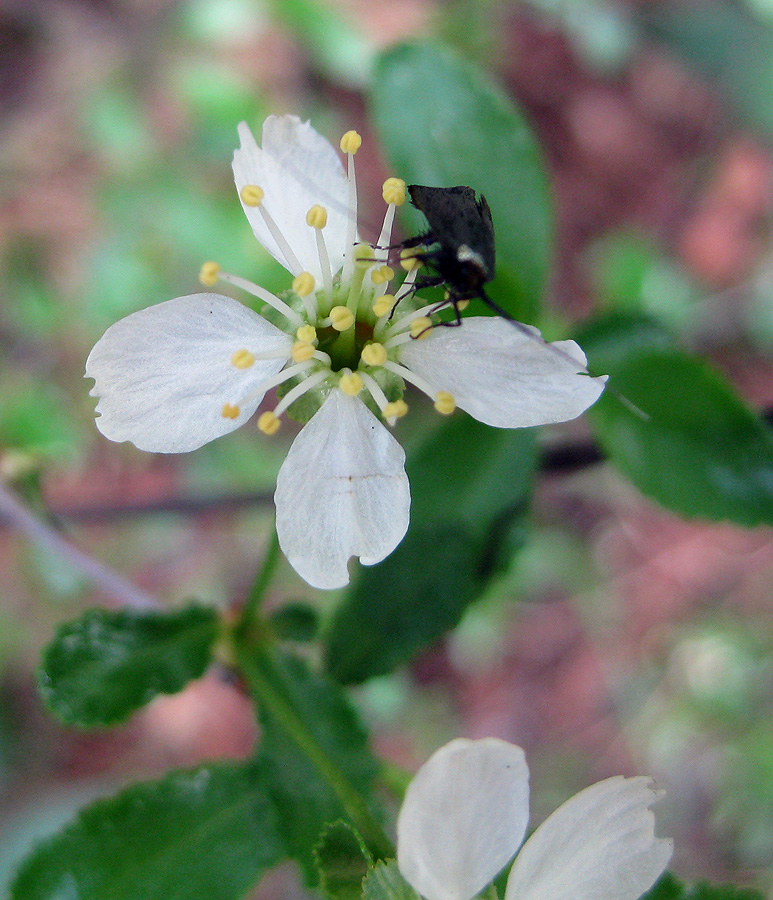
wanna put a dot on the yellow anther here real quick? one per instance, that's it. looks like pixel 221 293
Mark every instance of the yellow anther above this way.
pixel 303 284
pixel 268 423
pixel 376 277
pixel 251 195
pixel 388 272
pixel 350 383
pixel 242 359
pixel 209 273
pixel 384 305
pixel 350 142
pixel 307 333
pixel 421 327
pixel 302 351
pixel 395 410
pixel 444 403
pixel 374 354
pixel 408 258
pixel 341 318
pixel 230 411
pixel 461 305
pixel 316 217
pixel 393 191
pixel 363 254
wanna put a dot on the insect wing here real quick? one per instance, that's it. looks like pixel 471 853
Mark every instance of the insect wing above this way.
pixel 456 216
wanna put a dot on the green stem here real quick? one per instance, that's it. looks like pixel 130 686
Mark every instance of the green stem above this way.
pixel 262 580
pixel 265 681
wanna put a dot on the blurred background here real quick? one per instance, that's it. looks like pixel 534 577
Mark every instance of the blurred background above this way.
pixel 623 639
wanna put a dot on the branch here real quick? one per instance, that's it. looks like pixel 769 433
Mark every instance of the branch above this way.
pixel 14 513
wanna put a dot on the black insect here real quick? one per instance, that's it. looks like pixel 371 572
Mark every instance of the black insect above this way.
pixel 458 248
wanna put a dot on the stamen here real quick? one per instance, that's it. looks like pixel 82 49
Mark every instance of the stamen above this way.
pixel 461 305
pixel 230 411
pixel 266 296
pixel 351 383
pixel 292 260
pixel 395 410
pixel 384 305
pixel 421 327
pixel 269 423
pixel 410 317
pixel 415 380
pixel 385 273
pixel 307 333
pixel 362 261
pixel 350 144
pixel 302 351
pixel 374 354
pixel 398 339
pixel 275 380
pixel 393 192
pixel 445 403
pixel 341 318
pixel 375 390
pixel 299 390
pixel 316 217
pixel 243 359
pixel 252 195
pixel 390 411
pixel 410 280
pixel 209 273
pixel 303 285
pixel 408 258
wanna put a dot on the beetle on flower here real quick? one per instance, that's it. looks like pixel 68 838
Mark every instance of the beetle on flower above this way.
pixel 175 376
pixel 465 814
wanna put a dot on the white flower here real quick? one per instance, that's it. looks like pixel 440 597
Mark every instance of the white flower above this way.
pixel 175 376
pixel 466 811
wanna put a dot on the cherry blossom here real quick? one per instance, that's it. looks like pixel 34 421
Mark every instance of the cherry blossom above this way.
pixel 338 346
pixel 465 815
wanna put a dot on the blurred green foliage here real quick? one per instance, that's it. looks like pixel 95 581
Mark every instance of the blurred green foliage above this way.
pixel 164 202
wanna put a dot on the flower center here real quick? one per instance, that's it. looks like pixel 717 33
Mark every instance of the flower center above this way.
pixel 346 332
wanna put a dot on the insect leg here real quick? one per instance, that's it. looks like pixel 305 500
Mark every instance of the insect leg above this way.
pixel 423 281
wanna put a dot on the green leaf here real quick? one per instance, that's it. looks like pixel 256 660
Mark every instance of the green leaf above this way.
pixel 295 622
pixel 471 486
pixel 342 861
pixel 677 429
pixel 105 665
pixel 313 748
pixel 724 42
pixel 384 882
pixel 209 832
pixel 668 887
pixel 334 43
pixel 443 122
pixel 631 273
pixel 611 339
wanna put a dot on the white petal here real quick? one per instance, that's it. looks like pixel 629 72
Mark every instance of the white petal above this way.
pixel 163 374
pixel 600 845
pixel 341 492
pixel 296 168
pixel 502 376
pixel 463 817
